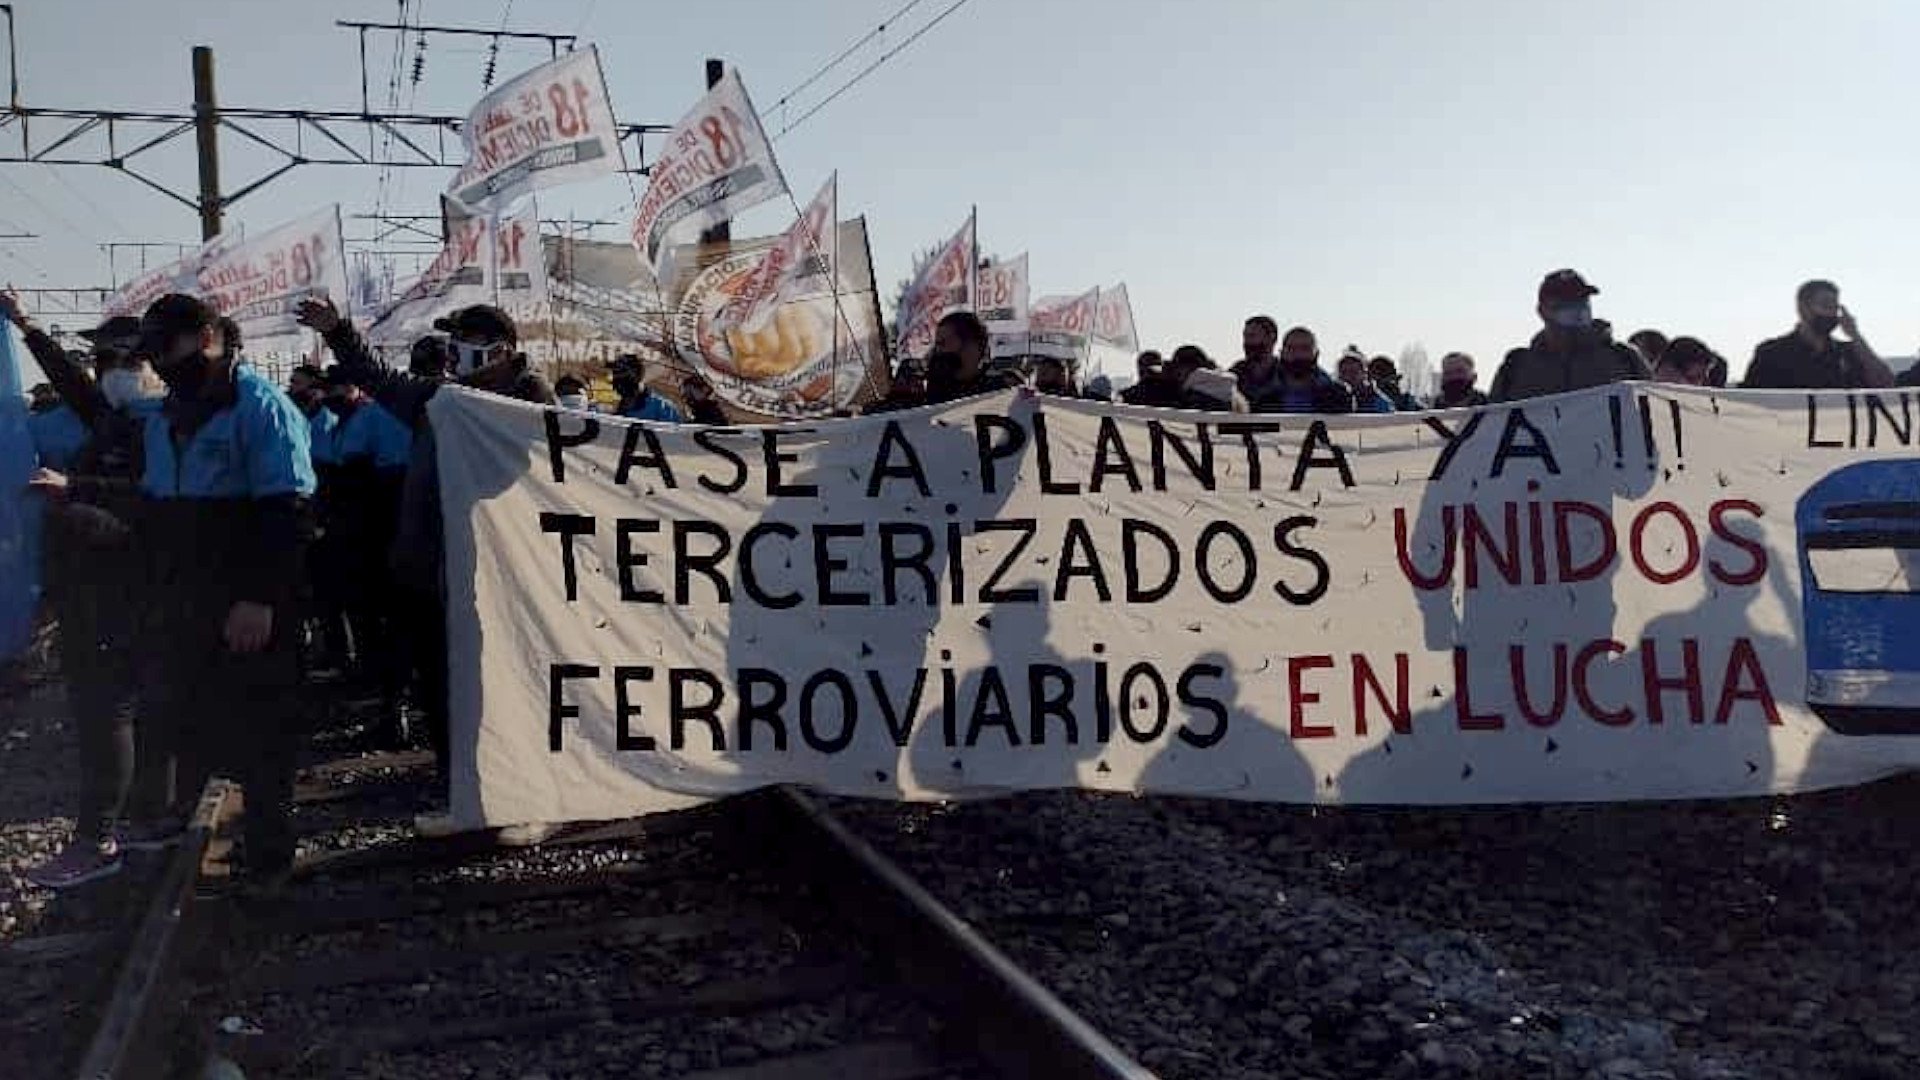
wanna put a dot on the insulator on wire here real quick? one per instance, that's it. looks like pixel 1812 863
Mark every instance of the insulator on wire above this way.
pixel 493 57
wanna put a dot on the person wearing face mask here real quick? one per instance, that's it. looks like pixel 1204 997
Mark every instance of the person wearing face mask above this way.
pixel 225 474
pixel 637 399
pixel 1808 358
pixel 306 386
pixel 1303 385
pixel 481 347
pixel 1456 383
pixel 1570 353
pixel 957 365
pixel 95 585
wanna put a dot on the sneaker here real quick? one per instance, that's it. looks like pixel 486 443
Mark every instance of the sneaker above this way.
pixel 434 826
pixel 530 835
pixel 80 863
pixel 150 835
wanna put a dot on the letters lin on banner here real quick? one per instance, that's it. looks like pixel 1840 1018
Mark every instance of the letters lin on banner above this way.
pixel 1616 594
pixel 716 163
pixel 551 125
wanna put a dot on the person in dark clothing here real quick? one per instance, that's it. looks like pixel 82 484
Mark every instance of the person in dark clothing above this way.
pixel 908 390
pixel 1807 358
pixel 1148 387
pixel 1053 377
pixel 1573 352
pixel 1299 384
pixel 1386 376
pixel 1188 380
pixel 957 366
pixel 1354 375
pixel 1258 370
pixel 430 357
pixel 1686 361
pixel 94 585
pixel 326 620
pixel 359 515
pixel 225 473
pixel 57 431
pixel 482 345
pixel 1457 377
pixel 1650 344
pixel 637 399
pixel 702 406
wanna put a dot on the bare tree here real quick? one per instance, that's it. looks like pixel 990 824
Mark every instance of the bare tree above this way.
pixel 1416 370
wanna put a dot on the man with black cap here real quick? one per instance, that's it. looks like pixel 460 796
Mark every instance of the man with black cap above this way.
pixel 1569 353
pixel 482 347
pixel 225 474
pixel 94 583
pixel 1808 358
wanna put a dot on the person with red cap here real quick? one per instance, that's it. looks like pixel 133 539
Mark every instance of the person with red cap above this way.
pixel 1569 353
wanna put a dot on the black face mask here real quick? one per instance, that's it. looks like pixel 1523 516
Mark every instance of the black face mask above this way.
pixel 185 377
pixel 943 368
pixel 1455 387
pixel 1823 324
pixel 340 407
pixel 1298 366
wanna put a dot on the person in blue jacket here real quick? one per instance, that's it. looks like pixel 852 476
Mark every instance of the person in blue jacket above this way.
pixel 637 400
pixel 58 432
pixel 360 514
pixel 225 476
pixel 326 617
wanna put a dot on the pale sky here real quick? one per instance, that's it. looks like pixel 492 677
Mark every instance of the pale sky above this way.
pixel 1384 171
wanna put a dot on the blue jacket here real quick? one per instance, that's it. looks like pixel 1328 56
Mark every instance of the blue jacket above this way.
pixel 58 434
pixel 1371 400
pixel 651 406
pixel 227 475
pixel 320 430
pixel 371 432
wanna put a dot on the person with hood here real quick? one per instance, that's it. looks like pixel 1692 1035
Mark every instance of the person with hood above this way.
pixel 957 365
pixel 482 352
pixel 225 475
pixel 96 588
pixel 1572 352
pixel 637 399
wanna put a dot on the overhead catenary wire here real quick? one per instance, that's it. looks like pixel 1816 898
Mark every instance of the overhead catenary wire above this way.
pixel 871 68
pixel 848 51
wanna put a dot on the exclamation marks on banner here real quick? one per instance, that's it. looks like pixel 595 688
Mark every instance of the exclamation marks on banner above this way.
pixel 1649 444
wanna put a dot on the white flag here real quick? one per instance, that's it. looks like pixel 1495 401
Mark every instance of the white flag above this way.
pixel 804 251
pixel 483 261
pixel 1060 327
pixel 716 163
pixel 552 125
pixel 181 275
pixel 944 284
pixel 1001 299
pixel 260 282
pixel 1113 326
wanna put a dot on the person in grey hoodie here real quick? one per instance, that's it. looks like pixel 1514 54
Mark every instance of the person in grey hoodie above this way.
pixel 1570 353
pixel 482 347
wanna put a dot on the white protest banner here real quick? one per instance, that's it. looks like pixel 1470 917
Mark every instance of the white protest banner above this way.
pixel 260 281
pixel 716 163
pixel 132 298
pixel 551 125
pixel 1061 327
pixel 943 285
pixel 484 260
pixel 1637 592
pixel 819 349
pixel 1113 324
pixel 1002 303
pixel 804 251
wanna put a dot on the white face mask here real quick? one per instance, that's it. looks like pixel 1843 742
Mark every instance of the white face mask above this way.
pixel 573 401
pixel 123 386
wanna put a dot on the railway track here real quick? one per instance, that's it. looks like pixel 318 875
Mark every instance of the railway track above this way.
pixel 753 939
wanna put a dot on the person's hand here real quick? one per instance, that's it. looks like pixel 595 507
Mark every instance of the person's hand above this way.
pixel 249 625
pixel 318 313
pixel 10 307
pixel 1846 323
pixel 49 483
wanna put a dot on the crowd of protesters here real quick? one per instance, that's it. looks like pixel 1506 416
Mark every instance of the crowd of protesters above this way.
pixel 213 541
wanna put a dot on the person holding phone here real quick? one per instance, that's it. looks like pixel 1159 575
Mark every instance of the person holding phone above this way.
pixel 1808 358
